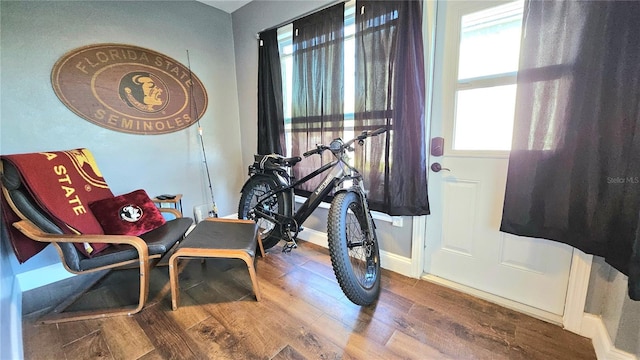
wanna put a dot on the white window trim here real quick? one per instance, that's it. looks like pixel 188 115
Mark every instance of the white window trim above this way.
pixel 393 220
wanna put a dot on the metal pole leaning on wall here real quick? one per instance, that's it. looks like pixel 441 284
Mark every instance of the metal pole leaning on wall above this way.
pixel 213 211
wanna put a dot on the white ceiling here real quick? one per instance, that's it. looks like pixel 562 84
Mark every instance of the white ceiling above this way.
pixel 226 5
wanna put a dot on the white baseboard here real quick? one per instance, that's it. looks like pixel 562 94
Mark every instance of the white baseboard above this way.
pixel 389 261
pixel 593 327
pixel 396 263
pixel 314 236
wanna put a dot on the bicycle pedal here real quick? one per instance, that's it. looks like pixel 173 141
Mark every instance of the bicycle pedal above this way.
pixel 290 245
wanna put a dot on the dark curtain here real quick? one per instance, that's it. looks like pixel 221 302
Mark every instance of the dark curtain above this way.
pixel 390 92
pixel 574 168
pixel 318 87
pixel 270 104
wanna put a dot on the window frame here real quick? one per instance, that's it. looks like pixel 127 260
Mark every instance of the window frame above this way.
pixel 453 85
pixel 285 46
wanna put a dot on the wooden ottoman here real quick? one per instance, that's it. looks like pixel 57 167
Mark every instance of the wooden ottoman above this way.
pixel 218 238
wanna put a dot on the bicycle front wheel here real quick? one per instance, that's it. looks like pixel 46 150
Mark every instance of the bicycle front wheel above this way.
pixel 355 255
pixel 254 190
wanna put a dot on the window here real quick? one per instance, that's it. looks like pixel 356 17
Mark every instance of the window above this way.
pixel 285 45
pixel 353 67
pixel 486 84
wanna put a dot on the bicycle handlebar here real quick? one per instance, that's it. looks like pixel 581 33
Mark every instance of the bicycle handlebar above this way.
pixel 318 150
pixel 365 134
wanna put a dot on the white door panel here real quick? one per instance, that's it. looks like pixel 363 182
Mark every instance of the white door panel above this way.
pixel 474 253
pixel 464 244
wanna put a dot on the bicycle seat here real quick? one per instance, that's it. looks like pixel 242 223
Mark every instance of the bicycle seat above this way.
pixel 274 161
pixel 291 161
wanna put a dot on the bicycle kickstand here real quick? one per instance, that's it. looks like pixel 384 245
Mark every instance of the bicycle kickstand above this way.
pixel 291 242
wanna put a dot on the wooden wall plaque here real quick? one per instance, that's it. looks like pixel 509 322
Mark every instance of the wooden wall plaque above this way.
pixel 129 89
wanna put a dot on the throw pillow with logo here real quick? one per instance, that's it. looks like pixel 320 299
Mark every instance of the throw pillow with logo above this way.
pixel 128 214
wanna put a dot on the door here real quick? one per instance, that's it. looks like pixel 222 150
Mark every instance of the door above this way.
pixel 476 61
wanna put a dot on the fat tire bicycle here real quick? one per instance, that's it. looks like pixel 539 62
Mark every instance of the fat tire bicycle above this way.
pixel 268 198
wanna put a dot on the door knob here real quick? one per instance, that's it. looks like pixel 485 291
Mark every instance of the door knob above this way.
pixel 436 167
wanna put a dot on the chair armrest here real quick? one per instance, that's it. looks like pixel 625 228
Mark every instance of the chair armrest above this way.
pixel 175 212
pixel 34 233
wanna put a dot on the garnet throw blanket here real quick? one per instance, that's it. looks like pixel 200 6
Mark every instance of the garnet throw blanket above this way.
pixel 63 183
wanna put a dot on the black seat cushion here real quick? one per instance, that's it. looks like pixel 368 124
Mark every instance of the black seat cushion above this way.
pixel 223 235
pixel 159 241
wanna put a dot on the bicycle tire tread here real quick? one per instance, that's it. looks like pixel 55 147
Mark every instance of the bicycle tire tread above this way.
pixel 340 256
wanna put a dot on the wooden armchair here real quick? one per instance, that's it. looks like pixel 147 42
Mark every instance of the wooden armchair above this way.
pixel 143 251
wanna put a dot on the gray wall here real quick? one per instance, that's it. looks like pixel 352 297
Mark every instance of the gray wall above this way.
pixel 247 22
pixel 35 34
pixel 607 297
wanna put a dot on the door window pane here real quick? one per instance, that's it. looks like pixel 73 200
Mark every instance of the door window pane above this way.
pixel 490 41
pixel 486 89
pixel 484 118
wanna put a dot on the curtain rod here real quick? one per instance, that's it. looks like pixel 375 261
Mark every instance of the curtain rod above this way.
pixel 301 16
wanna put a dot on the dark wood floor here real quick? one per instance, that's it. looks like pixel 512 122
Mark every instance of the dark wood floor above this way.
pixel 303 315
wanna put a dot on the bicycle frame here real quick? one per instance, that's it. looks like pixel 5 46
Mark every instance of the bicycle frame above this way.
pixel 340 172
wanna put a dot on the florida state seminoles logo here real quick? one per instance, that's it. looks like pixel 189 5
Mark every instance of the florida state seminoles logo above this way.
pixel 130 213
pixel 143 91
pixel 86 166
pixel 129 89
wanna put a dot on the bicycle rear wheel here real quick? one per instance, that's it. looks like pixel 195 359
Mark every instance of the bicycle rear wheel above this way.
pixel 254 190
pixel 355 255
